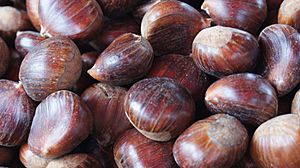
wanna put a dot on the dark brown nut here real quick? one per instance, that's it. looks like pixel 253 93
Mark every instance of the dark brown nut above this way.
pixel 7 155
pixel 248 97
pixel 116 8
pixel 289 13
pixel 4 56
pixel 12 72
pixel 273 4
pixel 32 7
pixel 30 159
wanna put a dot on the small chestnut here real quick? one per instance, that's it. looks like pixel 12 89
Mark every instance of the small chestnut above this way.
pixel 116 8
pixel 61 122
pixel 16 113
pixel 4 57
pixel 222 51
pixel 7 155
pixel 247 15
pixel 248 97
pixel 276 142
pixel 124 61
pixel 32 7
pixel 53 65
pixel 280 45
pixel 31 160
pixel 289 13
pixel 159 108
pixel 218 141
pixel 79 20
pixel 184 71
pixel 106 103
pixel 135 150
pixel 170 26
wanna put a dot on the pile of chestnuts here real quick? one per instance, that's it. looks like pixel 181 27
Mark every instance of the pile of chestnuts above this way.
pixel 150 83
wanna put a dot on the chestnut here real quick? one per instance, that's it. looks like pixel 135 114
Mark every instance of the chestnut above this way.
pixel 79 160
pixel 116 8
pixel 17 111
pixel 79 20
pixel 159 108
pixel 7 155
pixel 248 97
pixel 27 40
pixel 218 141
pixel 280 46
pixel 222 51
pixel 30 159
pixel 61 122
pixel 4 56
pixel 184 71
pixel 32 7
pixel 170 26
pixel 276 142
pixel 134 150
pixel 12 72
pixel 53 65
pixel 106 103
pixel 247 15
pixel 289 13
pixel 124 61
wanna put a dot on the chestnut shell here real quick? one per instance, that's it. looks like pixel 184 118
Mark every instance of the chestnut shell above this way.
pixel 117 8
pixel 160 108
pixel 29 159
pixel 289 13
pixel 32 7
pixel 248 97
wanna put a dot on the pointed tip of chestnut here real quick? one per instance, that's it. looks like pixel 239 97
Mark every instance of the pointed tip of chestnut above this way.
pixel 30 159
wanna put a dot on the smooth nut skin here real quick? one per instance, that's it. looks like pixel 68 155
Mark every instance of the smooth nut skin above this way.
pixel 222 51
pixel 31 160
pixel 27 40
pixel 289 13
pixel 106 103
pixel 61 122
pixel 246 15
pixel 184 71
pixel 4 57
pixel 77 19
pixel 124 61
pixel 276 142
pixel 159 108
pixel 248 97
pixel 79 160
pixel 116 8
pixel 32 7
pixel 218 142
pixel 53 65
pixel 7 155
pixel 295 109
pixel 280 45
pixel 133 150
pixel 170 26
pixel 16 113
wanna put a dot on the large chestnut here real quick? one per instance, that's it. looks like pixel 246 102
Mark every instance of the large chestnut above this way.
pixel 170 26
pixel 276 142
pixel 62 121
pixel 289 13
pixel 247 15
pixel 7 155
pixel 222 51
pixel 135 150
pixel 31 160
pixel 16 113
pixel 248 97
pixel 218 141
pixel 280 46
pixel 160 108
pixel 77 19
pixel 32 7
pixel 4 57
pixel 124 61
pixel 183 70
pixel 106 103
pixel 117 8
pixel 53 65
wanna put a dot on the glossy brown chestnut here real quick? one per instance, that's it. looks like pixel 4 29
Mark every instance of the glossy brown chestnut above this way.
pixel 218 141
pixel 184 71
pixel 31 160
pixel 170 26
pixel 27 40
pixel 7 155
pixel 61 122
pixel 276 142
pixel 117 8
pixel 4 56
pixel 88 60
pixel 160 108
pixel 248 97
pixel 295 109
pixel 12 72
pixel 53 65
pixel 17 111
pixel 32 7
pixel 106 103
pixel 77 19
pixel 79 160
pixel 247 15
pixel 280 46
pixel 124 61
pixel 289 13
pixel 135 150
pixel 222 51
